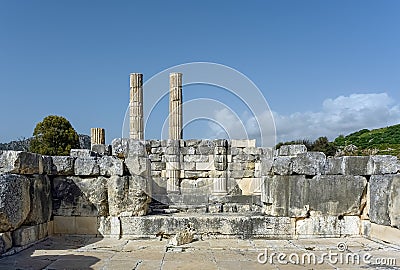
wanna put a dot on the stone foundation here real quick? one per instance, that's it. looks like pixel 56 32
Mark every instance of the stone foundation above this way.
pixel 221 189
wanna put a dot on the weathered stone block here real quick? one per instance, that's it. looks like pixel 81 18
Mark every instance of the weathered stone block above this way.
pixel 75 196
pixel 384 165
pixel 236 151
pixel 292 150
pixel 195 158
pixel 311 163
pixel 297 196
pixel 266 166
pixel 127 196
pixel 235 166
pixel 5 242
pixel 64 225
pixel 86 225
pixel 40 200
pixel 221 143
pixel 158 166
pixel 204 150
pixel 252 151
pixel 356 165
pixel 123 147
pixel 82 153
pixel 327 226
pixel 385 200
pixel 334 165
pixel 249 186
pixel 48 167
pixel 138 166
pixel 25 235
pixel 205 166
pixel 20 162
pixel 155 157
pixel 188 150
pixel 236 174
pixel 282 165
pixel 243 143
pixel 190 166
pixel 195 174
pixel 192 143
pixel 14 201
pixel 63 165
pixel 267 152
pixel 154 143
pixel 102 149
pixel 110 166
pixel 244 157
pixel 221 224
pixel 86 167
pixel 196 186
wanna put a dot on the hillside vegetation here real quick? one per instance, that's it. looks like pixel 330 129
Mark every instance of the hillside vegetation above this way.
pixel 382 141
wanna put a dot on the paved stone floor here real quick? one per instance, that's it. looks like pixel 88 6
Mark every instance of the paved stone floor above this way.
pixel 73 252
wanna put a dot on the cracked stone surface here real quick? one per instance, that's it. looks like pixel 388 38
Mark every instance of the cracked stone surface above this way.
pixel 73 252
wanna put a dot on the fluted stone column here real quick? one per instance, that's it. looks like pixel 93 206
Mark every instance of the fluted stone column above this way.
pixel 175 106
pixel 97 136
pixel 136 106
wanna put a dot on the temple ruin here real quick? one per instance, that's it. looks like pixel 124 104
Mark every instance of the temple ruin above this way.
pixel 137 188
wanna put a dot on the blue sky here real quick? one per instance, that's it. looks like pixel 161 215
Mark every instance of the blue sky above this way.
pixel 325 67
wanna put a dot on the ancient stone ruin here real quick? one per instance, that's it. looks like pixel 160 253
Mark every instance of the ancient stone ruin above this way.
pixel 138 188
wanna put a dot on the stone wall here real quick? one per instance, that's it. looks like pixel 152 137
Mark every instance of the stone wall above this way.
pixel 229 188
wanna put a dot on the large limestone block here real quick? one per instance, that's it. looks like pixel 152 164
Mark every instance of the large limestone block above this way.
pixel 334 165
pixel 14 201
pixel 127 196
pixel 327 226
pixel 243 143
pixel 297 196
pixel 137 165
pixel 282 165
pixel 356 165
pixel 328 195
pixel 20 162
pixel 26 235
pixel 5 242
pixel 63 165
pixel 82 153
pixel 292 150
pixel 41 201
pixel 75 196
pixel 385 200
pixel 384 164
pixel 86 167
pixel 123 147
pixel 110 166
pixel 311 163
pixel 246 226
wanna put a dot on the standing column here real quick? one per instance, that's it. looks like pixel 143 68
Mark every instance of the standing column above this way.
pixel 175 106
pixel 97 136
pixel 136 106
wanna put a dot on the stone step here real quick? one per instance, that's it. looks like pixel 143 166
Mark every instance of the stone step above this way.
pixel 239 225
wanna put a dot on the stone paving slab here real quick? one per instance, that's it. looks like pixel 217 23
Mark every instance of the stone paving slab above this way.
pixel 75 252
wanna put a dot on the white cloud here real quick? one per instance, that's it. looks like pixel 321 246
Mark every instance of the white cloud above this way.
pixel 341 115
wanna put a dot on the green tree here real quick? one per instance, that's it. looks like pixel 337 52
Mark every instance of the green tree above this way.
pixel 322 144
pixel 54 136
